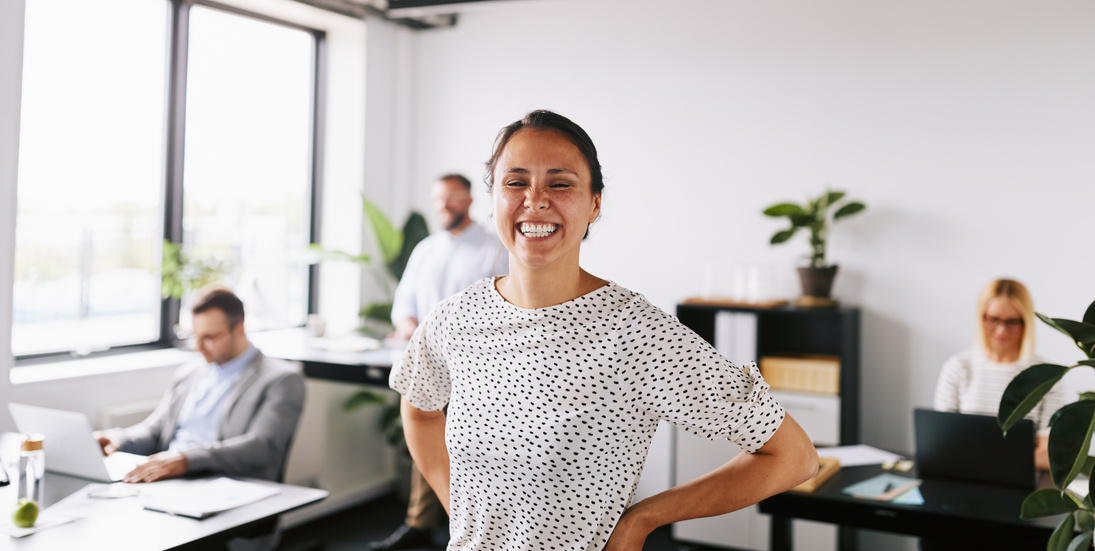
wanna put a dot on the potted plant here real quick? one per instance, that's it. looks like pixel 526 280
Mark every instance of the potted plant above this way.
pixel 1070 437
pixel 395 248
pixel 182 272
pixel 817 277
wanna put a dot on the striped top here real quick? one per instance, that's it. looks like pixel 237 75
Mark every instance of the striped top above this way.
pixel 971 383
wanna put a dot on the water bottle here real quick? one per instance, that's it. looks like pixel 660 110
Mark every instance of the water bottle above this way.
pixel 32 469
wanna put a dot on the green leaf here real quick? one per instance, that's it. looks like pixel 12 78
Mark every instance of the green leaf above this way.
pixel 801 220
pixel 1091 363
pixel 1089 315
pixel 834 196
pixel 389 239
pixel 782 236
pixel 414 231
pixel 1025 391
pixel 1083 334
pixel 1084 521
pixel 361 399
pixel 848 210
pixel 1062 535
pixel 1081 541
pixel 784 209
pixel 378 311
pixel 1047 502
pixel 1069 441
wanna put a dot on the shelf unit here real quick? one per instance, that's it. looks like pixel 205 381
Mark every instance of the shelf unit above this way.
pixel 828 419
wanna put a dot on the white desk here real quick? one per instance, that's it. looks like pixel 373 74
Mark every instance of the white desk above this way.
pixel 121 523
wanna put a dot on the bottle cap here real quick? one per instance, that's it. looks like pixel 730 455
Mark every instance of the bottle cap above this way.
pixel 32 443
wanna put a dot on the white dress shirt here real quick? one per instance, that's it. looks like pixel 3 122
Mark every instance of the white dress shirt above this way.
pixel 442 265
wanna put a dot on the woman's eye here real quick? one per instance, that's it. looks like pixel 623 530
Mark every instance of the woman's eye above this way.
pixel 514 184
pixel 561 185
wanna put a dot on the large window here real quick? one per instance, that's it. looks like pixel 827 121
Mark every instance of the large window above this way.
pixel 248 158
pixel 102 140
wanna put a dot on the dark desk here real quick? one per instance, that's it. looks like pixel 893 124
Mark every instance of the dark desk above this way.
pixel 973 516
pixel 370 367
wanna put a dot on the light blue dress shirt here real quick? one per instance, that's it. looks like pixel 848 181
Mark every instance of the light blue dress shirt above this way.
pixel 205 403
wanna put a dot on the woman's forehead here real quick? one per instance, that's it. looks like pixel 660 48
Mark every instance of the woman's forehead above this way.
pixel 546 150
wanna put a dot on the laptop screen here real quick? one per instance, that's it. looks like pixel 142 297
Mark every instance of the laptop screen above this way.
pixel 973 448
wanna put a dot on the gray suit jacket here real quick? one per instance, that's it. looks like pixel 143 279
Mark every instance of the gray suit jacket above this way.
pixel 254 432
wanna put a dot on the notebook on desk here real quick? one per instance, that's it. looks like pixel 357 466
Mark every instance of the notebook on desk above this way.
pixel 973 448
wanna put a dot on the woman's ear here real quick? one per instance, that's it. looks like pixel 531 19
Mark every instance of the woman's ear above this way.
pixel 595 214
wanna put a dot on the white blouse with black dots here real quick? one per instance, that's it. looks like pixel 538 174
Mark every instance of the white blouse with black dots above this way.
pixel 552 410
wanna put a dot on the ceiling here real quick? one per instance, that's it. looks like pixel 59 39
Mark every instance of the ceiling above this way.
pixel 417 14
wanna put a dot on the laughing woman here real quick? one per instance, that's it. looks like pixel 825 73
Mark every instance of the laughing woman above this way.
pixel 556 379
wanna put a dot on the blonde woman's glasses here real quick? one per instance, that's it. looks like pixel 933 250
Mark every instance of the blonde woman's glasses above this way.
pixel 1009 324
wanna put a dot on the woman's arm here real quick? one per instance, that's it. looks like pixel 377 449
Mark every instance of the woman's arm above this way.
pixel 785 461
pixel 425 433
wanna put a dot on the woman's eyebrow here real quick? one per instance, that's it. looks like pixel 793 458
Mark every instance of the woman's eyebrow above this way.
pixel 516 170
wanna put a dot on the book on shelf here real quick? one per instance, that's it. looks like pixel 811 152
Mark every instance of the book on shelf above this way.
pixel 815 373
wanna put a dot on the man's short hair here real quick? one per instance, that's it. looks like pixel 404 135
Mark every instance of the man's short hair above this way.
pixel 459 178
pixel 220 299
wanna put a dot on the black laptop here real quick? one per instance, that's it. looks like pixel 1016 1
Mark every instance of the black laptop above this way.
pixel 973 448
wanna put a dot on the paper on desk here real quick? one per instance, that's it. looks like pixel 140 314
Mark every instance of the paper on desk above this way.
pixel 911 497
pixel 345 343
pixel 861 454
pixel 202 498
pixel 46 519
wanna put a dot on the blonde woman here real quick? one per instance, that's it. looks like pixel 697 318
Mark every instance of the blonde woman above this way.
pixel 973 380
pixel 556 379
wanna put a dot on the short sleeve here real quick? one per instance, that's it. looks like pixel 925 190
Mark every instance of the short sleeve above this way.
pixel 421 375
pixel 668 371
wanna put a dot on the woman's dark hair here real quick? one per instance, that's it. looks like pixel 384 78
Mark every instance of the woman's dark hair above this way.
pixel 546 120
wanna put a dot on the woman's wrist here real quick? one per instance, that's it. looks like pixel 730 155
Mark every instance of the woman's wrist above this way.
pixel 640 519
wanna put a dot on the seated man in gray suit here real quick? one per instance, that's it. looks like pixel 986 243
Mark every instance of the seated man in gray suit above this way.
pixel 234 412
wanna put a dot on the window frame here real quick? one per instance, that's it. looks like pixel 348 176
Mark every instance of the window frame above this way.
pixel 171 207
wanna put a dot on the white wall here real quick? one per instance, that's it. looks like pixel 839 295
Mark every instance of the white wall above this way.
pixel 967 128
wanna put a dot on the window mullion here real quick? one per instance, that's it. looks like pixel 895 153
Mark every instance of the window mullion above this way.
pixel 174 144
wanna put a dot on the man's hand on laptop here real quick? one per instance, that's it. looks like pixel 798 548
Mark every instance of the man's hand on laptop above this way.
pixel 162 465
pixel 109 446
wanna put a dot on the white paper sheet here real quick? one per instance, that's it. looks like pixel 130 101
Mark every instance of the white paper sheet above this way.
pixel 46 519
pixel 201 498
pixel 861 454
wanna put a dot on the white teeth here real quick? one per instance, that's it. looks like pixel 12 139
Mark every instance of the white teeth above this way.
pixel 537 230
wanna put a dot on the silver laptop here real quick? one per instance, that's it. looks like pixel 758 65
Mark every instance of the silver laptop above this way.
pixel 70 447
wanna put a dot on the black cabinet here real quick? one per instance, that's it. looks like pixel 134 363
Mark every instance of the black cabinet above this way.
pixel 791 330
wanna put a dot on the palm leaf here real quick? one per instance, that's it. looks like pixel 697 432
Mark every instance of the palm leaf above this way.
pixel 414 231
pixel 389 239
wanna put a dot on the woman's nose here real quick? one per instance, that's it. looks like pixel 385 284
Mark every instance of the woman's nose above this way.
pixel 536 199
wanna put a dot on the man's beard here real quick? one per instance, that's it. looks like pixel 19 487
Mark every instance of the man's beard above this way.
pixel 457 221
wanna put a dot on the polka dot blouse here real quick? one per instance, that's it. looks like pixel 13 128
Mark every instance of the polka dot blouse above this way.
pixel 552 410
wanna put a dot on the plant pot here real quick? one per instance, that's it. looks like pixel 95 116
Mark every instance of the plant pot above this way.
pixel 817 282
